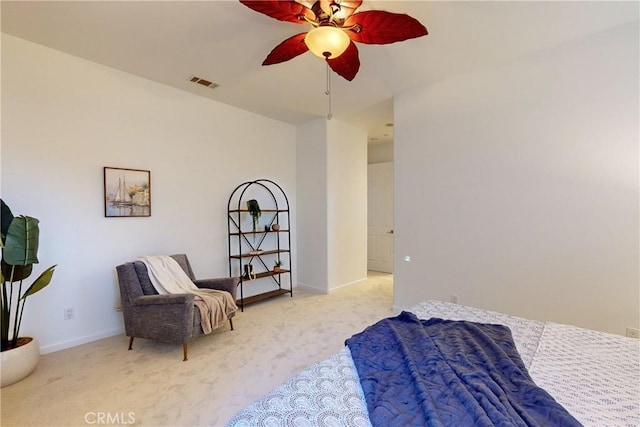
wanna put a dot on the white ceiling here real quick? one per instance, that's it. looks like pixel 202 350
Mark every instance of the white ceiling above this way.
pixel 225 42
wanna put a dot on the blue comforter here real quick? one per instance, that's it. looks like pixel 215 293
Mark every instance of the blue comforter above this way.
pixel 448 373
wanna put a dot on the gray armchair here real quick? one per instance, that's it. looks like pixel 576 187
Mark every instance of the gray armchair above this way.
pixel 168 318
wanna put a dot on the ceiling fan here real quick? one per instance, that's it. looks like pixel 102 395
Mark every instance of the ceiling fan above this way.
pixel 335 28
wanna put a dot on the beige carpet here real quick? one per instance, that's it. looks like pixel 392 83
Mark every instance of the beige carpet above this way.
pixel 102 383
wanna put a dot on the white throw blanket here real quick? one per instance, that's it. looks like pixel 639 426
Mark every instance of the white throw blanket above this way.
pixel 167 277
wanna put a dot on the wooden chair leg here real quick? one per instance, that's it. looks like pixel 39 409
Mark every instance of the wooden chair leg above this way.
pixel 130 343
pixel 231 323
pixel 184 351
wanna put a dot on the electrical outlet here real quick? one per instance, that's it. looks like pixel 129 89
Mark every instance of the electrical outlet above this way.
pixel 633 332
pixel 69 313
pixel 454 298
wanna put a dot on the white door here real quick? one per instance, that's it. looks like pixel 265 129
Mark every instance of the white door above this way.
pixel 380 217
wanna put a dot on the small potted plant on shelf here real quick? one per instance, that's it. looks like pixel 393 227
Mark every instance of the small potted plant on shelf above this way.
pixel 254 210
pixel 276 266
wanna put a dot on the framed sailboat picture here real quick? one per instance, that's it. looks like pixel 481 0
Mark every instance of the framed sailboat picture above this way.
pixel 127 192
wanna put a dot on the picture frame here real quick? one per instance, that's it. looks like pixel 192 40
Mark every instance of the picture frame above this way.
pixel 127 192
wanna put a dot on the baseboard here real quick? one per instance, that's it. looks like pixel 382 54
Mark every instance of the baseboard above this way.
pixel 347 284
pixel 325 291
pixel 79 341
pixel 310 288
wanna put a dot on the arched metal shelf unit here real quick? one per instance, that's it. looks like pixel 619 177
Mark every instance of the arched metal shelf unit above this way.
pixel 263 246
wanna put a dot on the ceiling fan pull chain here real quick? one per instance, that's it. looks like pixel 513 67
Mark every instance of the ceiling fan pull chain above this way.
pixel 328 92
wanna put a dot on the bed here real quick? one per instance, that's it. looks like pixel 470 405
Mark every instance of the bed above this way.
pixel 595 376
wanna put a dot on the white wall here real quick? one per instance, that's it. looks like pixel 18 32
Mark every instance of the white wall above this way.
pixel 63 120
pixel 517 187
pixel 311 158
pixel 380 153
pixel 347 203
pixel 332 204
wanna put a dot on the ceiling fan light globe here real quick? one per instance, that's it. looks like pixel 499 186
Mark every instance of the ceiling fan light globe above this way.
pixel 327 42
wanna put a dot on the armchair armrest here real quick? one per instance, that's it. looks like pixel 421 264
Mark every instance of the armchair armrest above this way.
pixel 223 284
pixel 182 299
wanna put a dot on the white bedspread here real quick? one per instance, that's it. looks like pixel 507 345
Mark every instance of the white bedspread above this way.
pixel 592 374
pixel 595 376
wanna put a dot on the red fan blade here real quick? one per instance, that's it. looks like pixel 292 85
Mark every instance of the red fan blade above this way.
pixel 282 10
pixel 347 64
pixel 288 49
pixel 380 27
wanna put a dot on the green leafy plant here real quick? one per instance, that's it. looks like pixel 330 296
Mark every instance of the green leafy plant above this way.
pixel 20 238
pixel 254 211
pixel 278 263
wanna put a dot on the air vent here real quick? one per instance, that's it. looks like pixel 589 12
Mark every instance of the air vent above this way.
pixel 203 82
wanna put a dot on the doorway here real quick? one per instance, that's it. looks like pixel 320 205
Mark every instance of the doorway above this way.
pixel 380 217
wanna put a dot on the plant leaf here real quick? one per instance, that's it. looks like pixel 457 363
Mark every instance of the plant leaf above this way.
pixel 21 243
pixel 282 10
pixel 6 217
pixel 20 272
pixel 288 49
pixel 381 27
pixel 42 281
pixel 347 64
